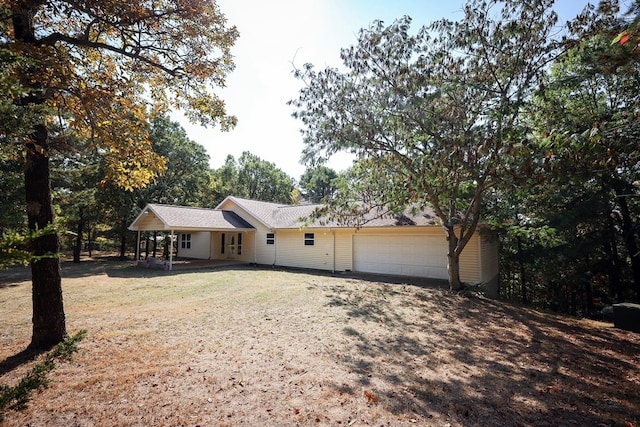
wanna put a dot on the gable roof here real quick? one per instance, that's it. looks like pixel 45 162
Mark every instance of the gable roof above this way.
pixel 277 215
pixel 189 218
pixel 271 215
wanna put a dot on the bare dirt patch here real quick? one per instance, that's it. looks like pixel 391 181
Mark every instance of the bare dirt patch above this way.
pixel 246 346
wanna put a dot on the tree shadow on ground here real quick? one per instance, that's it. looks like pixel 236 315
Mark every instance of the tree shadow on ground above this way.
pixel 23 357
pixel 11 276
pixel 111 267
pixel 484 362
pixel 129 271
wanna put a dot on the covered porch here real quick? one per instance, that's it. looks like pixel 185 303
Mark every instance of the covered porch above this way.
pixel 196 235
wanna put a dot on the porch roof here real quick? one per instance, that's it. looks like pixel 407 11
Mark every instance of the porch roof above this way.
pixel 156 217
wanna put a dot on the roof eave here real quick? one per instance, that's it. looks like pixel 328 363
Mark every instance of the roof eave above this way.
pixel 148 208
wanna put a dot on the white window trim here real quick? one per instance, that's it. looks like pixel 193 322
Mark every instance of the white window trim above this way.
pixel 309 239
pixel 185 241
pixel 271 239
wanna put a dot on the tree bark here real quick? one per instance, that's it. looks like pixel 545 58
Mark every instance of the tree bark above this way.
pixel 453 260
pixel 48 309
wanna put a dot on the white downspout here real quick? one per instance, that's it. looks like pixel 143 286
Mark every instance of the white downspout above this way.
pixel 210 244
pixel 333 265
pixel 171 251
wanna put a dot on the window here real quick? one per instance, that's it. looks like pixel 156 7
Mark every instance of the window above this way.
pixel 309 239
pixel 271 238
pixel 185 241
pixel 222 244
pixel 239 243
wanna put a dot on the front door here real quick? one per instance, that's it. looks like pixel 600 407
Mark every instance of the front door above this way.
pixel 231 244
pixel 231 247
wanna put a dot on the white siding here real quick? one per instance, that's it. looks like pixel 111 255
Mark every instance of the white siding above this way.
pixel 246 248
pixel 215 245
pixel 344 250
pixel 150 222
pixel 200 248
pixel 469 261
pixel 289 249
pixel 265 254
pixel 292 252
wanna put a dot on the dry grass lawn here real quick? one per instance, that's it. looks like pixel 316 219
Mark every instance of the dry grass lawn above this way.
pixel 254 347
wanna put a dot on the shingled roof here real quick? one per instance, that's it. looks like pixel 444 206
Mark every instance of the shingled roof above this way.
pixel 271 215
pixel 189 218
pixel 277 215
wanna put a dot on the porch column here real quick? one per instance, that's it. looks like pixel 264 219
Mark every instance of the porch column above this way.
pixel 171 251
pixel 138 247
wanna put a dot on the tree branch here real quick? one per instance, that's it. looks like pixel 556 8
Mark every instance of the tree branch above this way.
pixel 54 38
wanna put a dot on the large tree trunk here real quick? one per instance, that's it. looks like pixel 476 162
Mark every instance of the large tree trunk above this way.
pixel 455 284
pixel 48 310
pixel 453 260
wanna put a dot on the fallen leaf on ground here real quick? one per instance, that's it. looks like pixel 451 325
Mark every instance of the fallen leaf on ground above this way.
pixel 371 397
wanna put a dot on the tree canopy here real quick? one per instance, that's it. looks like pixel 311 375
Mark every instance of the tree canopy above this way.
pixel 434 116
pixel 253 178
pixel 319 184
pixel 586 127
pixel 186 176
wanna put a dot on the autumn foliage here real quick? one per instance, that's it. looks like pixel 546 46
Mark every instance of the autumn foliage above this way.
pixel 96 71
pixel 101 68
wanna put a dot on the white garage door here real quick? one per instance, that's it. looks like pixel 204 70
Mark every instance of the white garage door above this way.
pixel 417 256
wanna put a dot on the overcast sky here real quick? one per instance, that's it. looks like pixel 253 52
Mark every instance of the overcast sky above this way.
pixel 275 35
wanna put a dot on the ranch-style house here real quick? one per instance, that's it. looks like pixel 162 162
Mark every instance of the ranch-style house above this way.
pixel 410 244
